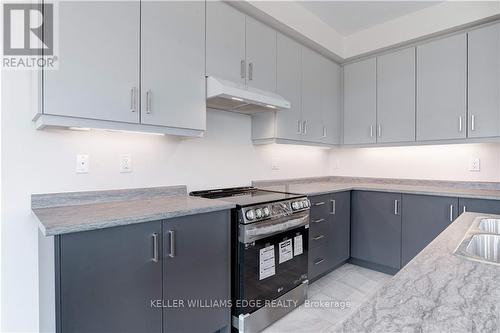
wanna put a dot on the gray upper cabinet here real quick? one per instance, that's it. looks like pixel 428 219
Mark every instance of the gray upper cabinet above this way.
pixel 441 89
pixel 98 75
pixel 484 82
pixel 173 64
pixel 260 55
pixel 330 102
pixel 360 95
pixel 225 42
pixel 396 96
pixel 312 85
pixel 289 61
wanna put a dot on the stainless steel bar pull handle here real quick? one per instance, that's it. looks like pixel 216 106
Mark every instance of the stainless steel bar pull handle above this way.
pixel 318 220
pixel 171 234
pixel 318 237
pixel 132 99
pixel 304 127
pixel 148 101
pixel 155 248
pixel 324 131
pixel 371 131
pixel 460 124
pixel 321 203
pixel 242 68
pixel 396 207
pixel 317 262
pixel 464 209
pixel 333 207
pixel 299 127
pixel 379 130
pixel 250 71
pixel 472 122
pixel 451 213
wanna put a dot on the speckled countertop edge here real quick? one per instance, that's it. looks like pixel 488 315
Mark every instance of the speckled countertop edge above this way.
pixel 137 207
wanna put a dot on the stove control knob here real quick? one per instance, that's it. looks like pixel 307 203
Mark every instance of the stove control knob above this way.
pixel 295 205
pixel 258 213
pixel 266 212
pixel 250 214
pixel 306 203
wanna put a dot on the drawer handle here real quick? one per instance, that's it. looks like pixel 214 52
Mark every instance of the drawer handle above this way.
pixel 155 247
pixel 171 234
pixel 319 261
pixel 318 237
pixel 319 221
pixel 321 203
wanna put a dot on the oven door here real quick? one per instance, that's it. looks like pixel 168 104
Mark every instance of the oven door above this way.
pixel 272 261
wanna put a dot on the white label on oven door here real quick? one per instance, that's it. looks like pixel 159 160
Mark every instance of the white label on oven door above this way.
pixel 286 251
pixel 297 245
pixel 267 265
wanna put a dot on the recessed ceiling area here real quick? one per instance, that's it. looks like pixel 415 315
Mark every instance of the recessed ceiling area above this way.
pixel 349 17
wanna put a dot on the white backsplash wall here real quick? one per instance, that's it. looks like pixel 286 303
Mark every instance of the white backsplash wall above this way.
pixel 44 161
pixel 446 162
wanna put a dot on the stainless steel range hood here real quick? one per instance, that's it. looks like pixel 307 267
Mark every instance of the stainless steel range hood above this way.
pixel 230 96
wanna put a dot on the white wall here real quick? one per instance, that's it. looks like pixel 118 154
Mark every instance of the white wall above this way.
pixel 446 162
pixel 44 161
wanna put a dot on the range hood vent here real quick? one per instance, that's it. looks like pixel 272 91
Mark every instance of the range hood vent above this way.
pixel 230 96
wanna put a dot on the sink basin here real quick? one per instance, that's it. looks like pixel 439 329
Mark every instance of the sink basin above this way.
pixel 484 247
pixel 490 225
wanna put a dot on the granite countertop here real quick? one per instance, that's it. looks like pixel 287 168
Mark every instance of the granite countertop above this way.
pixel 72 212
pixel 437 291
pixel 324 187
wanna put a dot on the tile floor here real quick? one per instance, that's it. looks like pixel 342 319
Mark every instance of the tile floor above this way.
pixel 344 290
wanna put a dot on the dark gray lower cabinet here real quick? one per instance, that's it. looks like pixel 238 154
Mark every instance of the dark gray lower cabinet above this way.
pixel 424 218
pixel 328 232
pixel 145 277
pixel 107 280
pixel 376 229
pixel 197 256
pixel 479 205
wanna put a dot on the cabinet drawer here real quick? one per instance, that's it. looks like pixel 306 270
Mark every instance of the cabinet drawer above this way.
pixel 318 238
pixel 320 206
pixel 318 261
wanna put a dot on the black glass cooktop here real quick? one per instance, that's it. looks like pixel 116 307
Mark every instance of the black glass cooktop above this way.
pixel 245 196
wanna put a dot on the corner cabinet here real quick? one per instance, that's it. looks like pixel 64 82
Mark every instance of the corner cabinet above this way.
pixel 139 66
pixel 125 279
pixel 312 84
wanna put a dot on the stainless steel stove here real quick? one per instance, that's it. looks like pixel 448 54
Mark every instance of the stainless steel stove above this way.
pixel 269 254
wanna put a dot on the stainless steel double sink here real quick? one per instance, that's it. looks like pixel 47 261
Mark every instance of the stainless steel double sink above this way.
pixel 482 241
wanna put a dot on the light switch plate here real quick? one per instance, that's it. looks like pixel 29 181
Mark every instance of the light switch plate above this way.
pixel 475 164
pixel 125 163
pixel 275 163
pixel 82 163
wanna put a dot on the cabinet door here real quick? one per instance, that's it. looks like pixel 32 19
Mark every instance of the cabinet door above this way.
pixel 424 218
pixel 289 86
pixel 396 96
pixel 312 86
pixel 484 82
pixel 330 102
pixel 108 279
pixel 376 228
pixel 441 89
pixel 197 267
pixel 225 42
pixel 479 206
pixel 260 55
pixel 360 95
pixel 340 227
pixel 173 64
pixel 98 75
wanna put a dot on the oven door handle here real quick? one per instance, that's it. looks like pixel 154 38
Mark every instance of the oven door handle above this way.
pixel 250 233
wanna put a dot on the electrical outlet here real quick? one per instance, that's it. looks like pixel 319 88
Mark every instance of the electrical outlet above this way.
pixel 82 163
pixel 126 163
pixel 275 163
pixel 475 164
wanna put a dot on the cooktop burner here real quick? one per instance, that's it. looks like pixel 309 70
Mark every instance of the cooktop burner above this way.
pixel 245 196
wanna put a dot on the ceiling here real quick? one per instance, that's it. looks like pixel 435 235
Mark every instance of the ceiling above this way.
pixel 349 17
